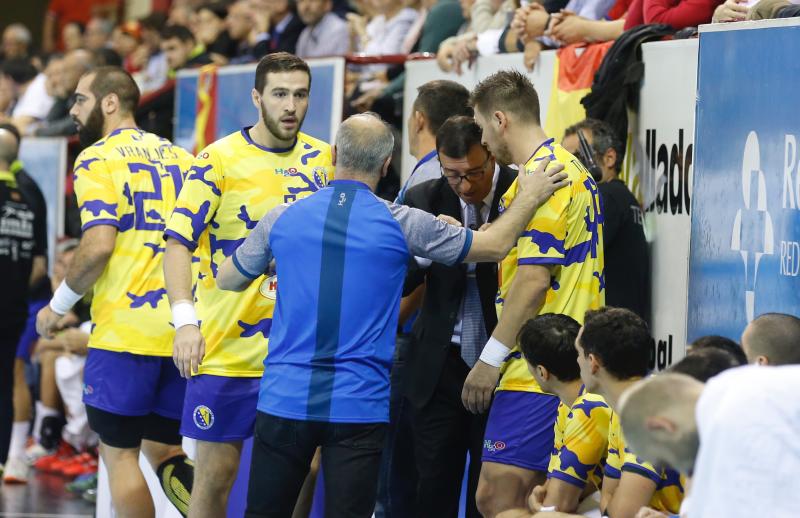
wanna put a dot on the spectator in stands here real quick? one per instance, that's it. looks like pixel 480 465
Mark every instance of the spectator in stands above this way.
pixel 737 435
pixel 28 87
pixel 240 24
pixel 731 11
pixel 325 34
pixel 62 12
pixel 106 57
pixel 581 429
pixel 490 16
pixel 212 33
pixel 16 42
pixel 277 28
pixel 766 9
pixel 181 50
pixel 704 364
pixel 436 102
pixel 678 15
pixel 72 36
pixel 125 41
pixel 151 62
pixel 772 339
pixel 718 342
pixel 627 272
pixel 58 122
pixel 614 352
pixel 384 33
pixel 98 33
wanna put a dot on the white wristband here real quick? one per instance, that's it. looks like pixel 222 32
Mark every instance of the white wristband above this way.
pixel 63 299
pixel 183 314
pixel 494 352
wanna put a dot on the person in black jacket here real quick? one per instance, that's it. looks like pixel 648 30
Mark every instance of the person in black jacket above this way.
pixel 626 251
pixel 457 316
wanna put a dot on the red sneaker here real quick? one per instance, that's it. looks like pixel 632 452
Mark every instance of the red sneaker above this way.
pixel 87 466
pixel 47 462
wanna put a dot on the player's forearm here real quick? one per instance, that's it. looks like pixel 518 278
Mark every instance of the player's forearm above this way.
pixel 493 244
pixel 94 252
pixel 562 495
pixel 524 300
pixel 178 271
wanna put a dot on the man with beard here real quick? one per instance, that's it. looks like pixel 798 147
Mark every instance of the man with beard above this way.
pixel 232 184
pixel 556 267
pixel 126 181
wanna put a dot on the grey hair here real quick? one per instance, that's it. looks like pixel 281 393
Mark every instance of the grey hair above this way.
pixel 23 34
pixel 361 148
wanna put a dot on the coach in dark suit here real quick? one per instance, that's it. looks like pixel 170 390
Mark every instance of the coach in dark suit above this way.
pixel 457 316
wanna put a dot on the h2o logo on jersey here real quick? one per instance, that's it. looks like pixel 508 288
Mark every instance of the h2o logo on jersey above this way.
pixel 269 287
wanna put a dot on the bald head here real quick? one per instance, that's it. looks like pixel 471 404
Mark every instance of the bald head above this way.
pixel 364 145
pixel 76 63
pixel 9 146
pixel 773 339
pixel 16 40
pixel 658 419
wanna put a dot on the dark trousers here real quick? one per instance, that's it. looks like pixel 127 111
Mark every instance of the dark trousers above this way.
pixel 444 431
pixel 9 338
pixel 397 483
pixel 282 453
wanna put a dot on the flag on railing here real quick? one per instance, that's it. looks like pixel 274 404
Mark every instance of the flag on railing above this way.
pixel 573 73
pixel 205 124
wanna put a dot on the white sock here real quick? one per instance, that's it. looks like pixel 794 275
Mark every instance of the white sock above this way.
pixel 42 411
pixel 19 435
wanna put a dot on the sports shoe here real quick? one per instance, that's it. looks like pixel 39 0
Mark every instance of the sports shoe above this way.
pixel 82 483
pixel 82 464
pixel 16 472
pixel 35 452
pixel 49 462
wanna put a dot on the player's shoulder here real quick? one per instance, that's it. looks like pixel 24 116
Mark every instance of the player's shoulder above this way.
pixel 228 145
pixel 308 142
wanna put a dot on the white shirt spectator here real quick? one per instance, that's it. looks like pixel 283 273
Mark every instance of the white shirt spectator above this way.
pixel 386 36
pixel 327 38
pixel 34 102
pixel 748 421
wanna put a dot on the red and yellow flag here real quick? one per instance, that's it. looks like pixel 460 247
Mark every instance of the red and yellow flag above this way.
pixel 573 73
pixel 205 124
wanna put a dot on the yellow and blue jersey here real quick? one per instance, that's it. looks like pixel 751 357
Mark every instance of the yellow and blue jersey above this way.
pixel 669 483
pixel 581 440
pixel 231 185
pixel 130 180
pixel 566 234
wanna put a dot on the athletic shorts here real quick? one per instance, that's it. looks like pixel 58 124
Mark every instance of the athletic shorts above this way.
pixel 520 429
pixel 29 334
pixel 132 384
pixel 220 408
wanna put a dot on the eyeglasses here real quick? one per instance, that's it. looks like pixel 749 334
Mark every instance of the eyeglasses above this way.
pixel 454 179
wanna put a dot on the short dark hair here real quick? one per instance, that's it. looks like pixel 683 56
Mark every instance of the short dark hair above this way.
pixel 704 364
pixel 776 336
pixel 115 80
pixel 620 339
pixel 721 343
pixel 508 91
pixel 603 138
pixel 457 136
pixel 20 70
pixel 106 57
pixel 549 340
pixel 155 21
pixel 441 99
pixel 219 9
pixel 279 62
pixel 181 32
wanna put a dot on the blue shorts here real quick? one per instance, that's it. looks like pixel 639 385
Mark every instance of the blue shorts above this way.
pixel 29 334
pixel 220 408
pixel 132 384
pixel 520 429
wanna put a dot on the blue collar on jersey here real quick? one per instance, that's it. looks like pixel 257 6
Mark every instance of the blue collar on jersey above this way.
pixel 426 158
pixel 250 141
pixel 548 143
pixel 354 184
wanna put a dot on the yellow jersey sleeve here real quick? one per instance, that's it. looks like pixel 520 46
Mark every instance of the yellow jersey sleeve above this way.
pixel 579 455
pixel 94 187
pixel 198 200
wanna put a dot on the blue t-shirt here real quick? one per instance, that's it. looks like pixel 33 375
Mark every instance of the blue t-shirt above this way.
pixel 340 255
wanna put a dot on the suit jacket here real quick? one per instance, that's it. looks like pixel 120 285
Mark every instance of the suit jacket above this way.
pixel 433 329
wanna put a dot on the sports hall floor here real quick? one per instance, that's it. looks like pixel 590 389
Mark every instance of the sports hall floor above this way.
pixel 43 497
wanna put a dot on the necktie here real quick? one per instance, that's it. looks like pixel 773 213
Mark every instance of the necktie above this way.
pixel 473 328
